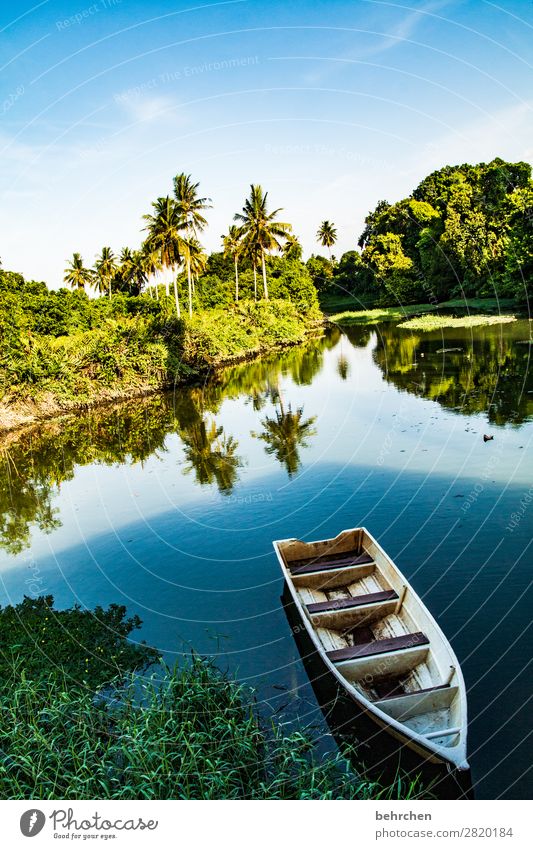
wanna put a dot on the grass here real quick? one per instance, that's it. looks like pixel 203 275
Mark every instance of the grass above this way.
pixel 435 322
pixel 189 734
pixel 374 316
pixel 82 719
pixel 399 312
pixel 131 355
pixel 490 304
pixel 332 303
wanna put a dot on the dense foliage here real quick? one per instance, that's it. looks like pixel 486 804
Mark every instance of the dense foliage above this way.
pixel 35 463
pixel 72 348
pixel 466 231
pixel 186 734
pixel 84 647
pixel 78 723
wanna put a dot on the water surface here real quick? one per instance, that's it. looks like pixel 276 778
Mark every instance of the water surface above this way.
pixel 169 505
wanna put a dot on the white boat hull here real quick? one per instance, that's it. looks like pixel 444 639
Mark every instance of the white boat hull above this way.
pixel 379 641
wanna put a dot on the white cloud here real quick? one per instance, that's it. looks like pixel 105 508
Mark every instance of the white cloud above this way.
pixel 144 108
pixel 507 133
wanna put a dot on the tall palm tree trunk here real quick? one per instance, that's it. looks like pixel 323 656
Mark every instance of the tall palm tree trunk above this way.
pixel 255 283
pixel 176 297
pixel 265 287
pixel 189 282
pixel 236 280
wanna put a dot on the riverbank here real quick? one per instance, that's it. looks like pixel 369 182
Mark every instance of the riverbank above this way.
pixel 191 732
pixel 398 312
pixel 134 356
pixel 437 322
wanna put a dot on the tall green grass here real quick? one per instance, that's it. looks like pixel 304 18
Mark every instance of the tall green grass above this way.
pixel 138 352
pixel 191 733
pixel 435 322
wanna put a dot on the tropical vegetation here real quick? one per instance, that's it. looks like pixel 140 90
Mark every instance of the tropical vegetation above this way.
pixel 464 233
pixel 82 719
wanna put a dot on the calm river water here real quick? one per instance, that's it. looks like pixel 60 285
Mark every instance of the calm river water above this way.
pixel 169 505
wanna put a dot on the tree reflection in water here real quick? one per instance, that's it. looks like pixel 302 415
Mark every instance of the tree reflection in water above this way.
pixel 285 433
pixel 36 462
pixel 488 374
pixel 211 455
pixel 479 370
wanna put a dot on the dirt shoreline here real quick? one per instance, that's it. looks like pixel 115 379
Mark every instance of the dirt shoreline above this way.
pixel 28 412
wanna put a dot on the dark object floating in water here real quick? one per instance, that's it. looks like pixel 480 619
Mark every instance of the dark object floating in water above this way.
pixel 446 350
pixel 487 438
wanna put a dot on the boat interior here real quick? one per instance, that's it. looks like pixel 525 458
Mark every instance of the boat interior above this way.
pixel 374 630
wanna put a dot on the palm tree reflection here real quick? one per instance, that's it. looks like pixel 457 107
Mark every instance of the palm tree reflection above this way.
pixel 211 455
pixel 285 433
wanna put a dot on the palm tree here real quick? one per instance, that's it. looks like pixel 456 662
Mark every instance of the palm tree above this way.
pixel 76 275
pixel 261 233
pixel 198 259
pixel 327 235
pixel 164 238
pixel 190 208
pixel 292 248
pixel 211 454
pixel 152 264
pixel 137 272
pixel 232 244
pixel 284 434
pixel 125 271
pixel 195 260
pixel 106 267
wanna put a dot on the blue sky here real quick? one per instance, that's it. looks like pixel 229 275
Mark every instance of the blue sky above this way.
pixel 329 105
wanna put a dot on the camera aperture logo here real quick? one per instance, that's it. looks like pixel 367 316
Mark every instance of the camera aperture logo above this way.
pixel 32 822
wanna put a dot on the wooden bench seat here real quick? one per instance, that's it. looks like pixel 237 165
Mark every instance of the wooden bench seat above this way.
pixel 399 695
pixel 304 567
pixel 354 601
pixel 406 641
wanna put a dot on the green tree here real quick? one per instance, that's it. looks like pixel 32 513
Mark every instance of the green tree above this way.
pixel 232 244
pixel 190 210
pixel 327 235
pixel 76 275
pixel 292 249
pixel 106 267
pixel 391 267
pixel 261 231
pixel 164 239
pixel 518 273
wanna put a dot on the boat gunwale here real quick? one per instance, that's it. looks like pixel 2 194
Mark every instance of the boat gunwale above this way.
pixel 444 754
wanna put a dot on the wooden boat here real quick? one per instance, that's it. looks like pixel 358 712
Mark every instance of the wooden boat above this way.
pixel 380 641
